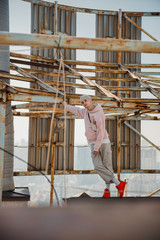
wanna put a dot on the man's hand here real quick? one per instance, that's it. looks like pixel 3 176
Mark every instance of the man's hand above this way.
pixel 64 103
pixel 95 153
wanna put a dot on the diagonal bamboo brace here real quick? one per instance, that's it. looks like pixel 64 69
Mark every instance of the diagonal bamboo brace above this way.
pixel 90 83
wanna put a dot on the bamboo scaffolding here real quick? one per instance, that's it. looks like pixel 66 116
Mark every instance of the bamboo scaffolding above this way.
pixel 69 62
pixel 140 134
pixel 143 83
pixel 2 143
pixel 90 83
pixel 115 71
pixel 37 80
pixel 68 42
pixel 119 95
pixel 71 172
pixel 153 193
pixel 115 106
pixel 87 63
pixel 125 15
pixel 54 74
pixel 82 86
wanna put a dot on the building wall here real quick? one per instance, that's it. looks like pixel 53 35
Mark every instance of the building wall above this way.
pixel 107 26
pixel 43 21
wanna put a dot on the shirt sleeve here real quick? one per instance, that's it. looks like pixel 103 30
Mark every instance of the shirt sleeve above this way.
pixel 76 110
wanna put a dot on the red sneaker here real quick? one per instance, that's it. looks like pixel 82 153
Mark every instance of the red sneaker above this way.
pixel 106 193
pixel 121 188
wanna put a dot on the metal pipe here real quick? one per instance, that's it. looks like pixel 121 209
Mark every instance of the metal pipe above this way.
pixel 70 42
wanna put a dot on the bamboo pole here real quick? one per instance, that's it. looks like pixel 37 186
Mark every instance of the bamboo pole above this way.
pixel 90 83
pixel 70 172
pixel 70 42
pixel 154 192
pixel 147 103
pixel 140 134
pixel 37 80
pixel 72 76
pixel 119 95
pixel 125 15
pixel 110 114
pixel 143 83
pixel 114 71
pixel 87 63
pixel 51 124
pixel 92 11
pixel 55 17
pixel 52 165
pixel 69 62
pixel 2 140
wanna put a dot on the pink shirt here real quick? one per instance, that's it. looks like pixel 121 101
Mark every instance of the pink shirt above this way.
pixel 97 116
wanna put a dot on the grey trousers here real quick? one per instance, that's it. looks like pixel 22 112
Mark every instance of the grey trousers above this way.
pixel 103 162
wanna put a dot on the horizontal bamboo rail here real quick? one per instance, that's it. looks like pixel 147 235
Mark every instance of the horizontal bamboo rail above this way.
pixel 87 63
pixel 92 11
pixel 62 172
pixel 68 42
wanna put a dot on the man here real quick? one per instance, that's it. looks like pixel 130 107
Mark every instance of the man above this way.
pixel 98 139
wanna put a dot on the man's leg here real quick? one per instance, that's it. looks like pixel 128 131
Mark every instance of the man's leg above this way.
pixel 105 171
pixel 103 165
pixel 107 160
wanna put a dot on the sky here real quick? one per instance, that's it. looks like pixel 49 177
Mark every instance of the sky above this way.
pixel 20 23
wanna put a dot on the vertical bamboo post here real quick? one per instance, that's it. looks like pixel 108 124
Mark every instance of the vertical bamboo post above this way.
pixel 2 139
pixel 119 95
pixel 118 147
pixel 52 165
pixel 55 17
pixel 55 51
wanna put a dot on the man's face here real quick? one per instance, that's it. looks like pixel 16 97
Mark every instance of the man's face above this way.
pixel 86 102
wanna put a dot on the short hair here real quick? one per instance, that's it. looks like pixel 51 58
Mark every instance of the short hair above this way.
pixel 84 96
